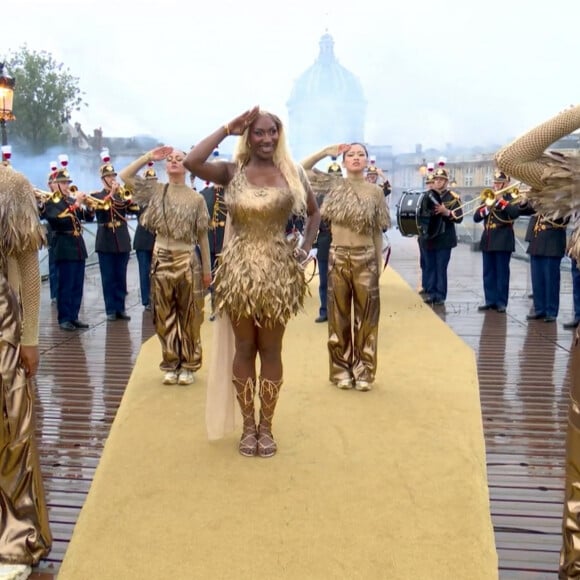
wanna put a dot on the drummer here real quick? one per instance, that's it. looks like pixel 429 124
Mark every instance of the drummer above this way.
pixel 437 248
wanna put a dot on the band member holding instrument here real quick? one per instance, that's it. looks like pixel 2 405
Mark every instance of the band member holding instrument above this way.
pixel 421 242
pixel 113 244
pixel 554 180
pixel 358 215
pixel 497 243
pixel 178 216
pixel 65 213
pixel 446 207
pixel 25 535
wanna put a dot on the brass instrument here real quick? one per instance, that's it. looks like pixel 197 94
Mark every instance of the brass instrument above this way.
pixel 488 197
pixel 46 196
pixel 218 216
pixel 125 193
pixel 95 203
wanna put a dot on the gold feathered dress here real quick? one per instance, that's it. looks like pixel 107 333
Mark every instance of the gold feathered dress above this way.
pixel 555 182
pixel 353 276
pixel 257 276
pixel 24 532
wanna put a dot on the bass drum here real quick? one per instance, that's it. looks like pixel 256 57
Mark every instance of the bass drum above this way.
pixel 415 216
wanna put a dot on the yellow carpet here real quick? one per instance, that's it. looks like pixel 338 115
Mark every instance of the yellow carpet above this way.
pixel 389 484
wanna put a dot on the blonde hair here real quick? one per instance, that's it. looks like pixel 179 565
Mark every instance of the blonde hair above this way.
pixel 282 160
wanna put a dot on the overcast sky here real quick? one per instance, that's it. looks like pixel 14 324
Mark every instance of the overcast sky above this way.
pixel 451 71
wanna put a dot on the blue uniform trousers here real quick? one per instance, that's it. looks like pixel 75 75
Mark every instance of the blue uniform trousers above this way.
pixel 144 258
pixel 436 262
pixel 546 284
pixel 114 280
pixel 496 278
pixel 71 281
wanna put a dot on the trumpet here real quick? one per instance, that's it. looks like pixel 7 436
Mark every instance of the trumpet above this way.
pixel 95 203
pixel 489 196
pixel 124 192
pixel 45 196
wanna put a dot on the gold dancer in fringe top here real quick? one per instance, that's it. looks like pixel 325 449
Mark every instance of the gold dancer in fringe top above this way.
pixel 178 216
pixel 358 215
pixel 259 284
pixel 555 182
pixel 25 535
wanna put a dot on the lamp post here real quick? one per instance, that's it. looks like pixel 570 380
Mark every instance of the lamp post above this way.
pixel 423 173
pixel 7 84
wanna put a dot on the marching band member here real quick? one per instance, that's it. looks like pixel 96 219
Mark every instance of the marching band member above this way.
pixel 143 244
pixel 52 271
pixel 178 216
pixel 497 244
pixel 376 176
pixel 437 249
pixel 113 244
pixel 358 215
pixel 64 212
pixel 25 535
pixel 420 241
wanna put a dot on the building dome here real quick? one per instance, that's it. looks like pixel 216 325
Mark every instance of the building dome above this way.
pixel 327 104
pixel 326 78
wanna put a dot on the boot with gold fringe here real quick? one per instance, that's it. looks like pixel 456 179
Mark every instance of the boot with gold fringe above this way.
pixel 245 393
pixel 269 391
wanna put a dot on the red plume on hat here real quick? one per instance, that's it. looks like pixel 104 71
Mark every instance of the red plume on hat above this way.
pixel 63 160
pixel 105 155
pixel 6 152
pixel 441 171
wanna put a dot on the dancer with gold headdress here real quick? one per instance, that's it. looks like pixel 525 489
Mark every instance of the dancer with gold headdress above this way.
pixel 358 215
pixel 554 179
pixel 259 284
pixel 25 535
pixel 178 216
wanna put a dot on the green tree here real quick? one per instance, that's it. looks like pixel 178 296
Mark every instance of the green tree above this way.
pixel 45 95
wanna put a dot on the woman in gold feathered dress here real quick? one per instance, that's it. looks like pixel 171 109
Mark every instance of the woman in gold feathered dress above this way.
pixel 358 215
pixel 555 182
pixel 259 283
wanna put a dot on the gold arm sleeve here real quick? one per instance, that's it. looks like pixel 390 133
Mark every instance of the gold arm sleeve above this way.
pixel 524 158
pixel 24 277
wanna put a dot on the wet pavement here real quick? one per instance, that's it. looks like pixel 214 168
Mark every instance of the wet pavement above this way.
pixel 523 375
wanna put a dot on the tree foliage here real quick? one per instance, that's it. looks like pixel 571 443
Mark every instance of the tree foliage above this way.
pixel 44 96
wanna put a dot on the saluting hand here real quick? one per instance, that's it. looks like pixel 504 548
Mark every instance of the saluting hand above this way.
pixel 160 153
pixel 337 150
pixel 238 125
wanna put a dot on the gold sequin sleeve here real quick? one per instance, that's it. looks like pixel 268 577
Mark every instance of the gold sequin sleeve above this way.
pixel 24 278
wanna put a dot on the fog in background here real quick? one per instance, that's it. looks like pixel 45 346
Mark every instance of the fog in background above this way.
pixel 435 73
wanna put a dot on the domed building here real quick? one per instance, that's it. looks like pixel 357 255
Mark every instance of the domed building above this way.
pixel 327 105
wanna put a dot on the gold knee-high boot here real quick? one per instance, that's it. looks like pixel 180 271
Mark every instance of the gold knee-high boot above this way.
pixel 245 393
pixel 269 391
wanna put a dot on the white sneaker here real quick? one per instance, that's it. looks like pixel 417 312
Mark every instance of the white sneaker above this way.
pixel 363 386
pixel 14 571
pixel 344 384
pixel 186 377
pixel 170 378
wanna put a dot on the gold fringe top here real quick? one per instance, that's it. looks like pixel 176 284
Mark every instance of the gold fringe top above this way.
pixel 179 213
pixel 353 203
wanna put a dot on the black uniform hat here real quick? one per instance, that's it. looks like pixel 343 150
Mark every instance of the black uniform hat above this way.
pixel 334 167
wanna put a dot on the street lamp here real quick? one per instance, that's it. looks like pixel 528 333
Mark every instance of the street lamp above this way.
pixel 7 84
pixel 423 172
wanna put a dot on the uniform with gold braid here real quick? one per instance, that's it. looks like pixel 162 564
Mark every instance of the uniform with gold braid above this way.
pixel 65 216
pixel 437 249
pixel 113 244
pixel 497 241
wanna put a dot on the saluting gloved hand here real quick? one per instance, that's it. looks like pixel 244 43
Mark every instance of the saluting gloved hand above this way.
pixel 484 211
pixel 501 203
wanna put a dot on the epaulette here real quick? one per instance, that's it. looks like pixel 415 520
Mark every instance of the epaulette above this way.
pixel 454 195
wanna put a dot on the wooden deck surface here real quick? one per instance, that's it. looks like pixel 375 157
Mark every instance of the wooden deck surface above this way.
pixel 523 374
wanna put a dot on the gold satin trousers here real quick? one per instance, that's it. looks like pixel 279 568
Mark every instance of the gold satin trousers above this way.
pixel 177 302
pixel 24 531
pixel 353 313
pixel 570 554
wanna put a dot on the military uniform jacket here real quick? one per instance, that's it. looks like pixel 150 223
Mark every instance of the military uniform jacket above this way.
pixel 324 238
pixel 448 237
pixel 546 237
pixel 68 242
pixel 144 240
pixel 498 227
pixel 113 232
pixel 214 199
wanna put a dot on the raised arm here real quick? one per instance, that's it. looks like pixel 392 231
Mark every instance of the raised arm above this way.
pixel 219 172
pixel 523 159
pixel 129 173
pixel 330 151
